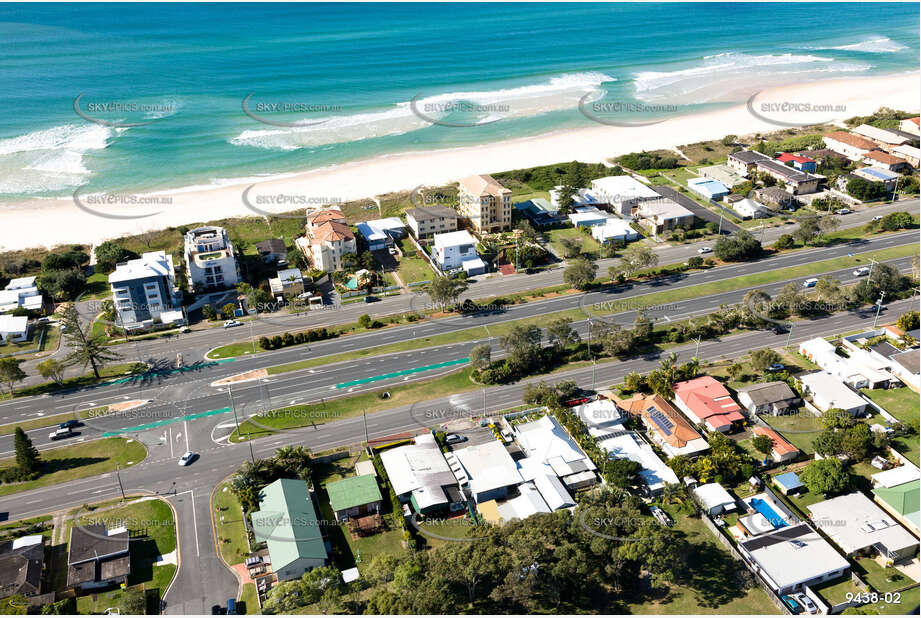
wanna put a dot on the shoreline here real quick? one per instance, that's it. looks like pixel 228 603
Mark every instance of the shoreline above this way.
pixel 47 222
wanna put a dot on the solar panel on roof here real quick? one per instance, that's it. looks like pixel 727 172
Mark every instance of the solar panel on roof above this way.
pixel 663 422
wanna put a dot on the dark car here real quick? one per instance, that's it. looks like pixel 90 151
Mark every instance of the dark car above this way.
pixel 69 424
pixel 371 299
pixel 217 610
pixel 779 329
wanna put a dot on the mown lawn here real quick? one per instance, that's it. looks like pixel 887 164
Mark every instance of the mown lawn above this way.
pixel 230 528
pixel 799 429
pixel 78 461
pixel 901 403
pixel 882 579
pixel 589 244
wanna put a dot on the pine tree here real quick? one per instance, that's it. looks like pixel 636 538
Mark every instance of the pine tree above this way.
pixel 27 458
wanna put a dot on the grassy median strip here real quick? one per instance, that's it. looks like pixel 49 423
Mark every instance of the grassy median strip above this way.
pixel 645 300
pixel 78 461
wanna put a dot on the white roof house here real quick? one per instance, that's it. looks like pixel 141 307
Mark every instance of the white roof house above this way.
pixel 622 192
pixel 894 477
pixel 490 469
pixel 879 135
pixel 582 197
pixel 793 556
pixel 748 208
pixel 655 473
pixel 827 391
pixel 614 229
pixel 454 239
pixel 452 249
pixel 13 328
pixel 600 413
pixel 910 153
pixel 549 442
pixel 553 492
pixel 714 498
pixel 589 217
pixel 528 502
pixel 860 369
pixel 21 292
pixel 419 470
pixel 854 522
pixel 150 264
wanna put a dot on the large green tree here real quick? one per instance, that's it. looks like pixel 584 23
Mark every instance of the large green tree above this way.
pixel 27 458
pixel 11 373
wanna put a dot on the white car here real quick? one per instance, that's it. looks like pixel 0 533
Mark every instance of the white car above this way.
pixel 232 323
pixel 806 602
pixel 843 211
pixel 61 432
pixel 810 283
pixel 863 271
pixel 705 250
pixel 878 218
pixel 187 458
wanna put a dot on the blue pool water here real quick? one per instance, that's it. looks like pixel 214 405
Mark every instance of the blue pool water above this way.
pixel 770 514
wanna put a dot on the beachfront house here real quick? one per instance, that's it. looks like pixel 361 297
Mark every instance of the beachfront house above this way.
pixel 457 250
pixel 144 291
pixel 272 250
pixel 425 222
pixel 886 161
pixel 798 162
pixel 794 181
pixel 854 147
pixel 327 239
pixel 623 193
pixel 287 522
pixel 887 139
pixel 210 258
pixel 708 188
pixel 910 154
pixel 21 293
pixel 379 234
pixel 664 214
pixel 485 202
pixel 744 161
pixel 722 174
pixel 910 125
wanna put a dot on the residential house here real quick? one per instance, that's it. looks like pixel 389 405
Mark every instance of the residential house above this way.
pixel 528 502
pixel 486 203
pixel 722 174
pixel 582 196
pixel 664 214
pixel 854 147
pixel 210 259
pixel 708 188
pixel 910 125
pixel 707 402
pixel 788 483
pixel 21 563
pixel 21 293
pixel 97 557
pixel 860 369
pixel 548 447
pixel 603 414
pixel 272 250
pixel 588 217
pixel 749 209
pixel 488 471
pixel 781 450
pixel 355 496
pixel 857 525
pixel 828 392
pixel 628 445
pixel 906 366
pixel 799 162
pixel 420 476
pixel 887 139
pixel 910 154
pixel 796 182
pixel 623 193
pixel 541 212
pixel 425 222
pixel 287 522
pixel 144 290
pixel 667 428
pixel 774 198
pixel 287 282
pixel 875 174
pixel 455 249
pixel 886 161
pixel 898 492
pixel 772 398
pixel 380 233
pixel 614 229
pixel 744 161
pixel 714 499
pixel 14 328
pixel 327 239
pixel 792 557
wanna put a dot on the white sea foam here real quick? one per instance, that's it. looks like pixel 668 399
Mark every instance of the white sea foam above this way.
pixel 715 76
pixel 561 92
pixel 876 45
pixel 50 159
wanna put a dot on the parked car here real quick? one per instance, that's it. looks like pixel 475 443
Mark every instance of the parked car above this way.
pixel 776 367
pixel 863 271
pixel 187 458
pixel 453 438
pixel 231 607
pixel 232 323
pixel 791 603
pixel 371 299
pixel 60 433
pixel 705 250
pixel 810 283
pixel 843 211
pixel 806 602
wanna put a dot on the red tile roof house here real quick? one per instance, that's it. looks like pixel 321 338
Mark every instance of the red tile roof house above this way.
pixel 705 401
pixel 782 450
pixel 800 162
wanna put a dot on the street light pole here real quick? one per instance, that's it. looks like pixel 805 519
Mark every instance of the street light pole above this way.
pixel 697 350
pixel 119 477
pixel 879 306
pixel 790 334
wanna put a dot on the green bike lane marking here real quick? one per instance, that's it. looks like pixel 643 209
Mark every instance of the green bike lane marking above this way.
pixel 167 421
pixel 396 374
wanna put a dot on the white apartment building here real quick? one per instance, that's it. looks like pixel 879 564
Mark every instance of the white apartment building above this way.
pixel 144 290
pixel 21 292
pixel 328 239
pixel 210 259
pixel 451 250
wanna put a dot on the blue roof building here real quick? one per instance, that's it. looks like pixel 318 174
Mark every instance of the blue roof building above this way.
pixel 710 189
pixel 788 482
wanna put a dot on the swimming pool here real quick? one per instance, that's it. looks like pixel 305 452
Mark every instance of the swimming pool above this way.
pixel 769 513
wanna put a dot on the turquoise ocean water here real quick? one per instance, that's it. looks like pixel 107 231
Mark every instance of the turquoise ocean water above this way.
pixel 168 81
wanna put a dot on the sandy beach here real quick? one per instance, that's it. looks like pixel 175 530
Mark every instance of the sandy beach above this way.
pixel 35 223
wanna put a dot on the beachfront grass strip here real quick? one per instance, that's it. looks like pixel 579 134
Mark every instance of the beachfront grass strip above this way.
pixel 306 415
pixel 152 518
pixel 229 525
pixel 77 461
pixel 711 586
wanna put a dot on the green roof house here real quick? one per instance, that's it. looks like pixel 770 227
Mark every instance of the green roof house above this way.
pixel 354 496
pixel 287 522
pixel 903 502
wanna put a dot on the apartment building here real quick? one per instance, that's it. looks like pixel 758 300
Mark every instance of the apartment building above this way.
pixel 486 203
pixel 854 147
pixel 210 258
pixel 794 181
pixel 327 239
pixel 425 222
pixel 144 290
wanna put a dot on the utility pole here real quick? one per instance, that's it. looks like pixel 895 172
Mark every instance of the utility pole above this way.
pixel 364 416
pixel 252 336
pixel 720 232
pixel 592 354
pixel 790 334
pixel 484 401
pixel 870 274
pixel 762 233
pixel 119 477
pixel 697 351
pixel 879 306
pixel 236 421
